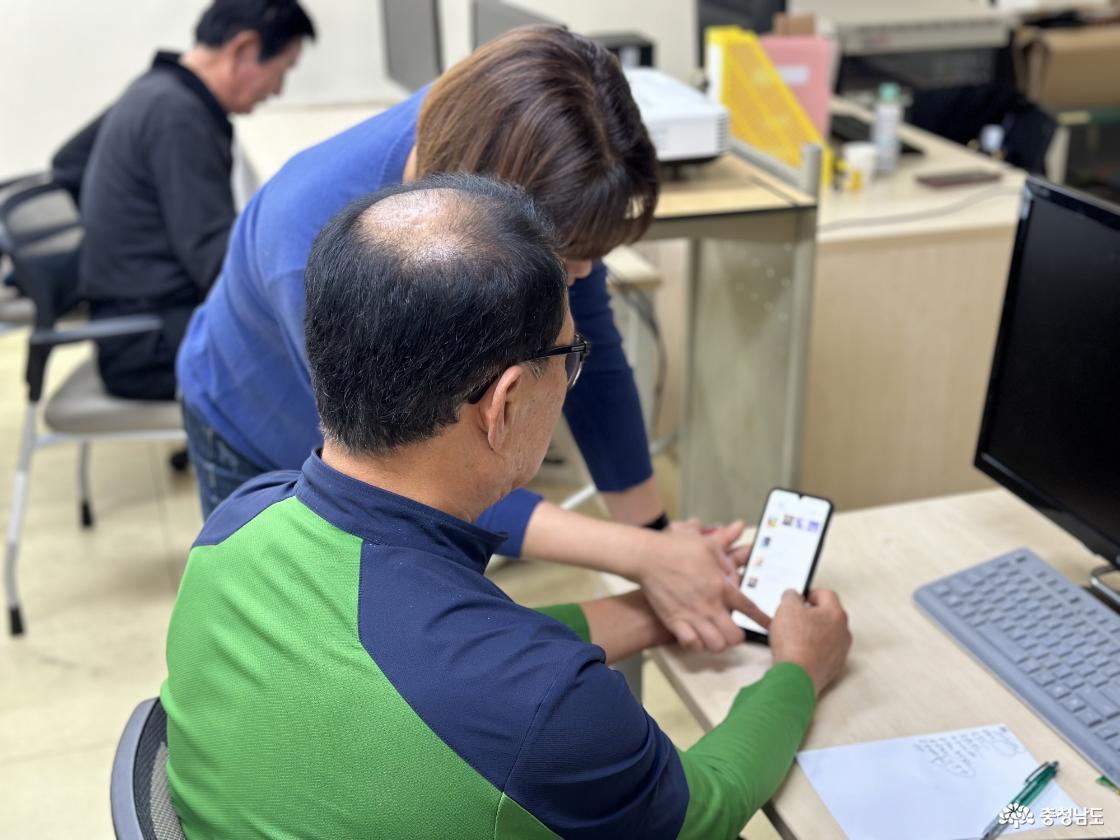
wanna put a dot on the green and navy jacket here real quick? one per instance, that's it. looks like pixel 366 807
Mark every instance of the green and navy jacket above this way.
pixel 339 667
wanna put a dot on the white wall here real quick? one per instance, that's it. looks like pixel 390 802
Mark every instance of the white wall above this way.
pixel 670 24
pixel 62 61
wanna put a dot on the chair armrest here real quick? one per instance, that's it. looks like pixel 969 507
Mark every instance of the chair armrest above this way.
pixel 39 178
pixel 44 340
pixel 94 330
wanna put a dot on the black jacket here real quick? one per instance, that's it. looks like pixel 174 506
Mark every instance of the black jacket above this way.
pixel 156 200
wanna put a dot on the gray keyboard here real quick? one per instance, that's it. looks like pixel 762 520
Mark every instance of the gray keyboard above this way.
pixel 1050 642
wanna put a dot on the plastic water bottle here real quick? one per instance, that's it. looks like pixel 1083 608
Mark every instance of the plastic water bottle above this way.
pixel 884 133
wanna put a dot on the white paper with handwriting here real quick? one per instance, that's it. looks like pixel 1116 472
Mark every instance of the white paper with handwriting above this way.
pixel 945 786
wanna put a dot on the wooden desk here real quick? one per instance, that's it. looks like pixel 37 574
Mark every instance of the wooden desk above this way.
pixel 876 211
pixel 909 288
pixel 905 677
pixel 727 186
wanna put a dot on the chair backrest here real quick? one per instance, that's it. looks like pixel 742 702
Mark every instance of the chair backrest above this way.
pixel 960 114
pixel 41 231
pixel 10 187
pixel 14 185
pixel 140 794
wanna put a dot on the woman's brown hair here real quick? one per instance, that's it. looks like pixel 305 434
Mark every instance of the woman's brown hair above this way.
pixel 550 111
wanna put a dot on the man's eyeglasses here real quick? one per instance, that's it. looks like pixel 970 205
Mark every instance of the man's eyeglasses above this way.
pixel 575 354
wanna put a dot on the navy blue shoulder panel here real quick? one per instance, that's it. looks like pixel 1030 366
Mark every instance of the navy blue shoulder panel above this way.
pixel 520 697
pixel 245 504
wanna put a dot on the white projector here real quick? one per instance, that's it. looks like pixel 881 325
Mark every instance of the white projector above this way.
pixel 684 125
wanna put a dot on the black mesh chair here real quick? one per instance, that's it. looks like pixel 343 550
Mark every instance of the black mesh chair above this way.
pixel 16 310
pixel 960 113
pixel 41 232
pixel 139 793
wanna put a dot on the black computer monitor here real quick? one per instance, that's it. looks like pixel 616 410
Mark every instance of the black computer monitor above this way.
pixel 1051 427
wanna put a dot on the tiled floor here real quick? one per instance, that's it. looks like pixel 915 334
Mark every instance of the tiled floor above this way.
pixel 97 604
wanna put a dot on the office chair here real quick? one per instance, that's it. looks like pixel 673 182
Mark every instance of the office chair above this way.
pixel 960 113
pixel 139 794
pixel 40 230
pixel 16 310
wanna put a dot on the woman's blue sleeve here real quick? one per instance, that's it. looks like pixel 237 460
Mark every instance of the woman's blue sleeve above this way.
pixel 603 410
pixel 510 516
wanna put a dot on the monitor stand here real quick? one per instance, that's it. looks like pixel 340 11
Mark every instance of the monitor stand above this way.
pixel 1103 589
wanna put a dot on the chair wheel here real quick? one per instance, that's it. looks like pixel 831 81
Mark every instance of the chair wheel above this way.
pixel 179 461
pixel 15 621
pixel 87 515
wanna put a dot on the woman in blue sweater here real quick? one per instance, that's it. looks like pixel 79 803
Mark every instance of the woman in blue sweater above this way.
pixel 545 109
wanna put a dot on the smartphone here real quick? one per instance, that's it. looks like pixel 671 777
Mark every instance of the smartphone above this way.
pixel 784 556
pixel 958 178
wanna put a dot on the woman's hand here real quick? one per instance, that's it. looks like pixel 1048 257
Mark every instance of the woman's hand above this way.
pixel 690 577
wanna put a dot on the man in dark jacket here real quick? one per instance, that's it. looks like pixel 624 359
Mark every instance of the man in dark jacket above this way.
pixel 156 199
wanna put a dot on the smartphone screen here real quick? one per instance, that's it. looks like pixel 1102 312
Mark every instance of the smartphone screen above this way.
pixel 785 551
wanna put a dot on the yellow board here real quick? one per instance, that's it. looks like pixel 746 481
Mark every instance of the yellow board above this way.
pixel 764 112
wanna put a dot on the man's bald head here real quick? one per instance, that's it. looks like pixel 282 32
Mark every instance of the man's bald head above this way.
pixel 428 226
pixel 419 295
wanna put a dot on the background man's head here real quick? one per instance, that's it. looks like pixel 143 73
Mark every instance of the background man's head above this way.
pixel 550 111
pixel 254 44
pixel 423 296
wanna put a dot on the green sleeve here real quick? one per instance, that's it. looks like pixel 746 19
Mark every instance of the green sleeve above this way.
pixel 570 615
pixel 735 769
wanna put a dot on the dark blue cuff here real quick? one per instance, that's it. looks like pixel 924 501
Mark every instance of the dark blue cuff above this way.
pixel 510 516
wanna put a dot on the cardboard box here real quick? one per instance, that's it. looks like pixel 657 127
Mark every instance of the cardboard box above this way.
pixel 794 25
pixel 1069 68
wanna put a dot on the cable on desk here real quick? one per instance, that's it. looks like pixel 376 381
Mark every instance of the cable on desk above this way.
pixel 921 215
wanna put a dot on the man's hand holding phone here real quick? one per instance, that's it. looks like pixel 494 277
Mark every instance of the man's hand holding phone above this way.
pixel 787 545
pixel 813 633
